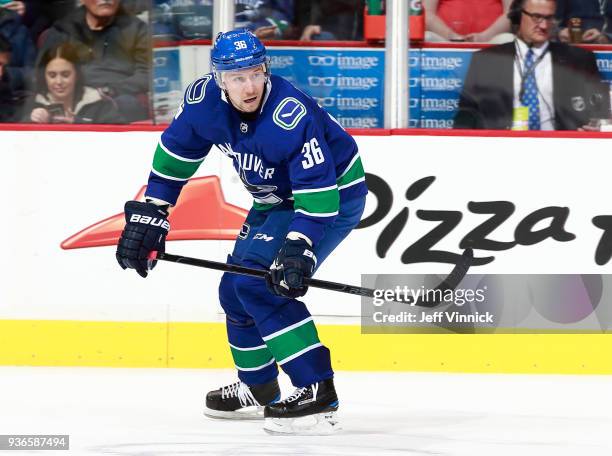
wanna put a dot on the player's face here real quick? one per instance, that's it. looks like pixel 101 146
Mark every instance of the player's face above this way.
pixel 537 21
pixel 101 8
pixel 61 79
pixel 245 88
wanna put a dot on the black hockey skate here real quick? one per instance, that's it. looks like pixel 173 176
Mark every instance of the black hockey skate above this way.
pixel 308 411
pixel 239 401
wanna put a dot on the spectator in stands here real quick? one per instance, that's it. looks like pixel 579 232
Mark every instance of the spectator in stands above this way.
pixel 23 51
pixel 137 7
pixel 114 50
pixel 596 19
pixel 192 19
pixel 61 96
pixel 267 19
pixel 467 20
pixel 174 20
pixel 553 85
pixel 330 20
pixel 39 15
pixel 9 103
pixel 5 55
pixel 18 6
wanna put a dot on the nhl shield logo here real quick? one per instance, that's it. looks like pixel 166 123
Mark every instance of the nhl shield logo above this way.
pixel 578 104
pixel 244 127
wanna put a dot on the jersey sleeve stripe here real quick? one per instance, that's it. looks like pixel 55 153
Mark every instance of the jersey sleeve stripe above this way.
pixel 351 163
pixel 178 157
pixel 167 165
pixel 350 184
pixel 318 214
pixel 319 202
pixel 313 190
pixel 352 174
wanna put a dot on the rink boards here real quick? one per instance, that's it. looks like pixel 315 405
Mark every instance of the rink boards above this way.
pixel 74 306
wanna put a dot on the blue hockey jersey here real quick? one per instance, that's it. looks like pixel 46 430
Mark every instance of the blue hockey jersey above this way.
pixel 293 151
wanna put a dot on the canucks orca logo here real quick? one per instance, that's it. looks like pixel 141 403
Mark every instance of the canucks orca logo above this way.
pixel 263 194
pixel 289 113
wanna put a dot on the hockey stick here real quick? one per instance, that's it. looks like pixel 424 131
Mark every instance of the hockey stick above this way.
pixel 449 283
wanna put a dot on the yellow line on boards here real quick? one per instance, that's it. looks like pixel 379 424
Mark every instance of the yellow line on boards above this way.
pixel 204 345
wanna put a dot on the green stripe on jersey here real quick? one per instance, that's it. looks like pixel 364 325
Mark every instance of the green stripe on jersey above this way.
pixel 174 166
pixel 249 358
pixel 296 340
pixel 354 173
pixel 323 202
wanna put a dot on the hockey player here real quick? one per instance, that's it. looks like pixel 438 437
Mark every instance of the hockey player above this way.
pixel 308 186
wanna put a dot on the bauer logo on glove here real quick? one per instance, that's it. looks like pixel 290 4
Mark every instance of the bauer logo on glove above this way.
pixel 145 231
pixel 147 220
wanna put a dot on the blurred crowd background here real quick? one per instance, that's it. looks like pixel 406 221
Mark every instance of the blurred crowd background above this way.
pixel 125 61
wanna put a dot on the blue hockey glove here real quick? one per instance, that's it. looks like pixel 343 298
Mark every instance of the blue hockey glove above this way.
pixel 294 261
pixel 144 232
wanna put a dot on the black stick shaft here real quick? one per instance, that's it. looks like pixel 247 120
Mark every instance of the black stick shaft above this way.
pixel 449 283
pixel 243 270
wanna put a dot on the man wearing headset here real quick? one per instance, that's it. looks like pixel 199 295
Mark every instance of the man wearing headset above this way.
pixel 549 85
pixel 308 186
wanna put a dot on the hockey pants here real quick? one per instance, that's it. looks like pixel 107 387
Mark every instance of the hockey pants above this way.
pixel 265 330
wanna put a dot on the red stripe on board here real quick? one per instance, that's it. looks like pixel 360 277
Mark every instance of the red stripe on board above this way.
pixel 363 44
pixel 352 131
pixel 465 45
pixel 328 44
pixel 277 43
pixel 451 45
pixel 498 133
pixel 81 128
pixel 130 128
pixel 369 131
pixel 173 44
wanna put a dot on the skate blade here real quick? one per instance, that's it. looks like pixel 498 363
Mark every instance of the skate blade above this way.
pixel 319 424
pixel 247 413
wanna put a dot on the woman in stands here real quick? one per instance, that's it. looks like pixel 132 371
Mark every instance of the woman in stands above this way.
pixel 62 97
pixel 467 20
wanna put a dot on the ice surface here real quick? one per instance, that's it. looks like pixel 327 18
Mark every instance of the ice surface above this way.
pixel 160 412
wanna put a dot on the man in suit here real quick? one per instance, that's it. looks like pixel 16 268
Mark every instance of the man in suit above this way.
pixel 553 85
